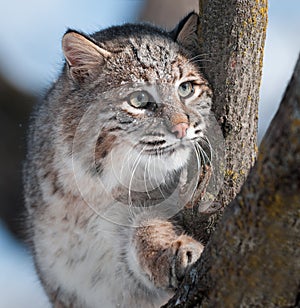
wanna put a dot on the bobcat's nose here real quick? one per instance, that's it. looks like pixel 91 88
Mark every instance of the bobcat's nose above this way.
pixel 180 130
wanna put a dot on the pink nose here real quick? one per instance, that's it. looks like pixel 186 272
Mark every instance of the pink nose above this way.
pixel 180 130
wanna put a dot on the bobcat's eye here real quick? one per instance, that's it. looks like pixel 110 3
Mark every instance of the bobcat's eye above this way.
pixel 186 89
pixel 139 99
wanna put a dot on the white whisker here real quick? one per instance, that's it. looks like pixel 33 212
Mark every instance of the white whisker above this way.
pixel 157 185
pixel 135 165
pixel 198 166
pixel 207 159
pixel 146 170
pixel 124 162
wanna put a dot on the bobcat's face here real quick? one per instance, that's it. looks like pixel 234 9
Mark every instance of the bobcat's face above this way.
pixel 149 100
pixel 163 120
pixel 155 126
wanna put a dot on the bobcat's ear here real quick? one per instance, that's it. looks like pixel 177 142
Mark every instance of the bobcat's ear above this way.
pixel 82 55
pixel 185 33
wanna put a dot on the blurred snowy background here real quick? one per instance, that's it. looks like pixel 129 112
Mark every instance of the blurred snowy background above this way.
pixel 30 59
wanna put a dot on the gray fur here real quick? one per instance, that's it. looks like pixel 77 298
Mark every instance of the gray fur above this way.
pixel 83 259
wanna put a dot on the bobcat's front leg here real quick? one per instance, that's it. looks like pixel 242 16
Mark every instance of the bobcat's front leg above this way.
pixel 162 254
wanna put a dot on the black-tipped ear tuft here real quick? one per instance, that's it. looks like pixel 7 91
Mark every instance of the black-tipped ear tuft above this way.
pixel 82 54
pixel 185 33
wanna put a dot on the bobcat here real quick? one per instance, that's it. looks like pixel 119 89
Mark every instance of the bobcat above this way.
pixel 107 166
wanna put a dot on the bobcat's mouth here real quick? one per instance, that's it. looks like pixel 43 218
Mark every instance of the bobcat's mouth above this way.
pixel 157 145
pixel 166 150
pixel 169 149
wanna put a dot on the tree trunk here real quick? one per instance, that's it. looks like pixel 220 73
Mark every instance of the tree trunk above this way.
pixel 232 35
pixel 252 259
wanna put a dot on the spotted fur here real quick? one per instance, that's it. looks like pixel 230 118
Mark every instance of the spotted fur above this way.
pixel 92 245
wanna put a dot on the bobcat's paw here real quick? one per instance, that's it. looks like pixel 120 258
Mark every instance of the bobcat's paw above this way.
pixel 186 251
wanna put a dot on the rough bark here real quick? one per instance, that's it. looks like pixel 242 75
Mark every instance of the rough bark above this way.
pixel 252 259
pixel 231 36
